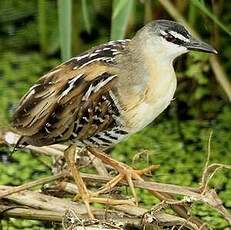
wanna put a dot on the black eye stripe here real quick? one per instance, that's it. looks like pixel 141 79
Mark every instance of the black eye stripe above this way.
pixel 170 38
pixel 178 41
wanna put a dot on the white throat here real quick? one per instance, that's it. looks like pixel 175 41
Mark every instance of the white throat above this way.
pixel 163 50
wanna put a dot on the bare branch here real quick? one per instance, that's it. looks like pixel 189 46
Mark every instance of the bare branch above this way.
pixel 40 206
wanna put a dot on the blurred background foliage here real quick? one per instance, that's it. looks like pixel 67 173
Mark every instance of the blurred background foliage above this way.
pixel 37 35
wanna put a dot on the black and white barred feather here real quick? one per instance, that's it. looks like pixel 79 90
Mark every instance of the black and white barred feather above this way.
pixel 75 101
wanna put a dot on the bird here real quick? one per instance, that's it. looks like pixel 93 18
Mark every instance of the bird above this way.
pixel 106 94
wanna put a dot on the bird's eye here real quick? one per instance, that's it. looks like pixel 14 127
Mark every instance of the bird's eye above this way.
pixel 169 38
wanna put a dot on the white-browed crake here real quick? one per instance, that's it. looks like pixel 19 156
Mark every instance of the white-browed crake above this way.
pixel 106 94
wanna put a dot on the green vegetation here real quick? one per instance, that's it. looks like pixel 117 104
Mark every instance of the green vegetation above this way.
pixel 31 34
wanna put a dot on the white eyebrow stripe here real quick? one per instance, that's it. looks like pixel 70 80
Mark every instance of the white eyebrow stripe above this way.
pixel 179 36
pixel 163 33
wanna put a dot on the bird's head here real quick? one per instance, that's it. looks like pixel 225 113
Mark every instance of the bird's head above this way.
pixel 172 39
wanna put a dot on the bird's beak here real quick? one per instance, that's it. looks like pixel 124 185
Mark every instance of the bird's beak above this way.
pixel 196 44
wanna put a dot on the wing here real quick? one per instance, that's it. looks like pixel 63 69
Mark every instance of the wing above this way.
pixel 74 100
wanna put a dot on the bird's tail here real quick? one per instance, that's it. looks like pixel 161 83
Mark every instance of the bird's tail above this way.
pixel 19 144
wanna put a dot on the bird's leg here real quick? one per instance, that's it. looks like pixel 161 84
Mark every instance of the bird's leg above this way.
pixel 125 172
pixel 69 155
pixel 86 195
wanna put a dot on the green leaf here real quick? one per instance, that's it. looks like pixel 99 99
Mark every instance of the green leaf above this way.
pixel 42 29
pixel 86 17
pixel 207 12
pixel 121 11
pixel 64 12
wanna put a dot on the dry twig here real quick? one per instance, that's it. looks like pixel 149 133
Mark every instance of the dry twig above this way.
pixel 34 205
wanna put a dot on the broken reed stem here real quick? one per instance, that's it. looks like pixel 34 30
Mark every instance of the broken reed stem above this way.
pixel 162 191
pixel 31 184
pixel 210 197
pixel 152 186
pixel 29 213
pixel 159 187
pixel 54 209
pixel 180 210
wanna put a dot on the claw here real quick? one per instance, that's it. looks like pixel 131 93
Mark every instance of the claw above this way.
pixel 125 172
pixel 86 195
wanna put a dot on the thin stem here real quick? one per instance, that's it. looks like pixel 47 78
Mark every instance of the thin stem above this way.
pixel 32 184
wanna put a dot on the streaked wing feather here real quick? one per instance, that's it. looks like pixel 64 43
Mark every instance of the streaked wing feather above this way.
pixel 53 107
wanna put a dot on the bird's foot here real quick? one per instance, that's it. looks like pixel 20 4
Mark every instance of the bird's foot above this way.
pixel 87 196
pixel 129 174
pixel 69 155
pixel 125 173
